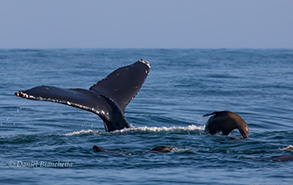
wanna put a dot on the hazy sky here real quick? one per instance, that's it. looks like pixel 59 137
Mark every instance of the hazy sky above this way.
pixel 146 24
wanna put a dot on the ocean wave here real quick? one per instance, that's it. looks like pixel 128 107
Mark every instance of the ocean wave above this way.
pixel 141 129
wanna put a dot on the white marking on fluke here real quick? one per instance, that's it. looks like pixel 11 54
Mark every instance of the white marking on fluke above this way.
pixel 147 63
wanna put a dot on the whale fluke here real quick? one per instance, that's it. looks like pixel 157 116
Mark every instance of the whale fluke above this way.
pixel 108 98
pixel 224 122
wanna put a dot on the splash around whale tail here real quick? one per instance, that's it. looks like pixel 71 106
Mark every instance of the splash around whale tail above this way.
pixel 108 98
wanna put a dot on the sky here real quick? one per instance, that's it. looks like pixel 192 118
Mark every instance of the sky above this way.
pixel 146 24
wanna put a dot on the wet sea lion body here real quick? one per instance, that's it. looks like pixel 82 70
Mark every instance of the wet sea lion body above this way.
pixel 224 122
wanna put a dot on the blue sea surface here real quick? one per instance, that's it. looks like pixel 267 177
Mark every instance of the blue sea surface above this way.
pixel 50 143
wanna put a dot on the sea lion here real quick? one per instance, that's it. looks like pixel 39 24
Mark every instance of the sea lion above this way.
pixel 224 122
pixel 99 149
pixel 283 158
pixel 108 98
pixel 162 149
pixel 158 149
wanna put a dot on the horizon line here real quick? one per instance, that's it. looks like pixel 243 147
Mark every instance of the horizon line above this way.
pixel 147 48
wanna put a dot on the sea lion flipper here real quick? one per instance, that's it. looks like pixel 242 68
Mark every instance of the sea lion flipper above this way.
pixel 209 114
pixel 122 85
pixel 213 113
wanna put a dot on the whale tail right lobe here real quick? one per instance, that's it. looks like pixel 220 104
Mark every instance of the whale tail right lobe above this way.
pixel 122 85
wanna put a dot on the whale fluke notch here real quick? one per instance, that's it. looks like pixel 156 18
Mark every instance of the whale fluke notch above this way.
pixel 224 122
pixel 108 98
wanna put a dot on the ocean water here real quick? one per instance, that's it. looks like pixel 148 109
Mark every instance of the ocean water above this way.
pixel 50 143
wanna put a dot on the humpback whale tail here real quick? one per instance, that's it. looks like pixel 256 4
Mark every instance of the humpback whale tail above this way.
pixel 107 98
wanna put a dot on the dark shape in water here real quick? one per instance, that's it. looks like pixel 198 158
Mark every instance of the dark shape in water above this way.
pixel 162 149
pixel 283 158
pixel 108 98
pixel 158 149
pixel 99 149
pixel 224 122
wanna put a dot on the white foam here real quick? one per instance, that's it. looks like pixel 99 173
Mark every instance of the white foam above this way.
pixel 142 129
pixel 163 129
pixel 82 132
pixel 288 148
pixel 182 150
